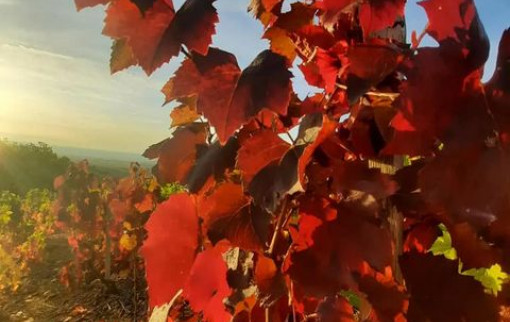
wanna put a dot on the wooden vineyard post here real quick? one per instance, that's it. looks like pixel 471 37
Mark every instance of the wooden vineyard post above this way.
pixel 108 242
pixel 390 165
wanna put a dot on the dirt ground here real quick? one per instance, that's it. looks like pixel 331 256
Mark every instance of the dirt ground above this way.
pixel 41 296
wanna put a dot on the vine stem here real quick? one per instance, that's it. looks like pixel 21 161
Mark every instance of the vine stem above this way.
pixel 279 225
pixel 135 291
pixel 294 319
pixel 392 96
pixel 278 228
pixel 108 241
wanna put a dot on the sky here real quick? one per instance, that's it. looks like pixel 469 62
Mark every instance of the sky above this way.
pixel 55 84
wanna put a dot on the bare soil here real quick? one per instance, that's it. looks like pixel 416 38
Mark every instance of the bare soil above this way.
pixel 41 296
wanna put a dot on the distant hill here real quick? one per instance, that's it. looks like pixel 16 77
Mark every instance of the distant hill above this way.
pixel 24 166
pixel 27 166
pixel 104 163
pixel 79 154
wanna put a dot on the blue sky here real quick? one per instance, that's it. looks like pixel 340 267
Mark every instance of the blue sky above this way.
pixel 55 84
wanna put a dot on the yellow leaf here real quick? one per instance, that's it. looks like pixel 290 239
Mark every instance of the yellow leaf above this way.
pixel 122 56
pixel 127 226
pixel 186 112
pixel 281 43
pixel 128 242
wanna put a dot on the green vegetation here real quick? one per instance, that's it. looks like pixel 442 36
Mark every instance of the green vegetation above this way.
pixel 491 278
pixel 443 245
pixel 170 189
pixel 28 166
pixel 25 223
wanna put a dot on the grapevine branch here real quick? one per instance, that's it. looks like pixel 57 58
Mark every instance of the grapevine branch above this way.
pixel 283 213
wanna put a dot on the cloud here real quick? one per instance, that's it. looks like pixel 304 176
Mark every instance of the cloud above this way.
pixel 34 51
pixel 7 2
pixel 74 101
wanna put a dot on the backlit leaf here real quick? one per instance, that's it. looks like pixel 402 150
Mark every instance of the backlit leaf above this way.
pixel 206 286
pixel 174 222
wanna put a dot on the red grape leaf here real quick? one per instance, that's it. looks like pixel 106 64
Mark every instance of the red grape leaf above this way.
pixel 227 214
pixel 312 74
pixel 330 63
pixel 333 5
pixel 498 89
pixel 264 84
pixel 277 180
pixel 473 251
pixel 388 299
pixel 433 281
pixel 411 143
pixel 206 286
pixel 447 16
pixel 146 204
pixel 471 184
pixel 279 34
pixel 316 36
pixel 327 129
pixel 369 64
pixel 421 237
pixel 185 113
pixel 330 249
pixel 299 15
pixel 119 209
pixel 229 99
pixel 358 176
pixel 366 135
pixel 144 5
pixel 377 15
pixel 269 280
pixel 259 151
pixel 424 101
pixel 193 26
pixel 224 201
pixel 248 229
pixel 157 35
pixel 216 161
pixel 335 309
pixel 81 4
pixel 184 83
pixel 142 33
pixel 174 223
pixel 213 77
pixel 177 155
pixel 373 62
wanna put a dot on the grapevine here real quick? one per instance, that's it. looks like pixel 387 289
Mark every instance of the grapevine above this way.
pixel 404 147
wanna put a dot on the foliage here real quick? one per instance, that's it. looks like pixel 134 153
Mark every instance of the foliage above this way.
pixel 28 166
pixel 101 219
pixel 491 278
pixel 170 189
pixel 443 245
pixel 25 224
pixel 269 229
